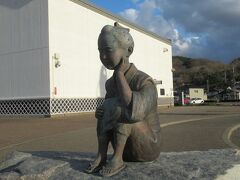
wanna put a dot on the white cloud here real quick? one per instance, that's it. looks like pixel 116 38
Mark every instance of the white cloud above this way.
pixel 130 14
pixel 144 16
pixel 206 28
pixel 182 45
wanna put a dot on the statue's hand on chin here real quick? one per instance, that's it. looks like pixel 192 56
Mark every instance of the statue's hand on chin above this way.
pixel 122 67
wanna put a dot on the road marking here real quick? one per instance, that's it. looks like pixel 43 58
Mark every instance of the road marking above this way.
pixel 162 126
pixel 197 119
pixel 227 136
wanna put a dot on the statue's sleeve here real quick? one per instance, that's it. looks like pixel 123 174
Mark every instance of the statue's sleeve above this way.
pixel 109 90
pixel 144 101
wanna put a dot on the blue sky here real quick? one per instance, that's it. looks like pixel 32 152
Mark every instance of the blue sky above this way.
pixel 200 29
pixel 113 5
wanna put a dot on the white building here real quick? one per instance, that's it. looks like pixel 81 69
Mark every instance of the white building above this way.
pixel 197 93
pixel 49 61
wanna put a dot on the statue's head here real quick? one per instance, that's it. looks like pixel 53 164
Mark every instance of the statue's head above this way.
pixel 114 43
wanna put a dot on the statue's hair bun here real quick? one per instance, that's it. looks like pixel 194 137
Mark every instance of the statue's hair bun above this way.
pixel 120 33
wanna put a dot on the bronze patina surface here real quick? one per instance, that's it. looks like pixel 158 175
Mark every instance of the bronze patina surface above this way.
pixel 128 117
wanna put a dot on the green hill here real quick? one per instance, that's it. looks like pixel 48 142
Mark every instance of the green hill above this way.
pixel 196 72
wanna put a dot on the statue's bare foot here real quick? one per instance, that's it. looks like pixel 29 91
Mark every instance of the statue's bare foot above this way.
pixel 112 168
pixel 96 165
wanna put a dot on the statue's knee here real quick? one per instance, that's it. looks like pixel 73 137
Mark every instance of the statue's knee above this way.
pixel 123 128
pixel 141 125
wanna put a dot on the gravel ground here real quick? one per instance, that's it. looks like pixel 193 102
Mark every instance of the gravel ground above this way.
pixel 181 166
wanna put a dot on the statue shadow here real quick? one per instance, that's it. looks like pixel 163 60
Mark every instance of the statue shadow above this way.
pixel 78 161
pixel 102 80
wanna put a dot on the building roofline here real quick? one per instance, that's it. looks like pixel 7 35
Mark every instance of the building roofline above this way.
pixel 120 20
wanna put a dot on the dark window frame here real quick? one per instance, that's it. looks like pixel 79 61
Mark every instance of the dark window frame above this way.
pixel 162 92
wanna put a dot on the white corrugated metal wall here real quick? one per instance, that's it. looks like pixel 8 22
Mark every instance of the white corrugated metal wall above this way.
pixel 73 34
pixel 33 31
pixel 24 65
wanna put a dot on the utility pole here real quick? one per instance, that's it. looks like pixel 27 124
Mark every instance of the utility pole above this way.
pixel 207 86
pixel 225 76
pixel 234 89
pixel 182 98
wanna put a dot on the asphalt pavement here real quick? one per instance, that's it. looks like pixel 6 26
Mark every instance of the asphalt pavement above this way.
pixel 183 129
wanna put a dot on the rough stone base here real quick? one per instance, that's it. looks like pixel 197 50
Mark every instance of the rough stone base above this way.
pixel 60 165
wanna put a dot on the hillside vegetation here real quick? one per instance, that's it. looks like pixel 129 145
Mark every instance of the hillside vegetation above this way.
pixel 200 72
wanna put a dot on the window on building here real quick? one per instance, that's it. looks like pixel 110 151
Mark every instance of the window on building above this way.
pixel 196 91
pixel 162 92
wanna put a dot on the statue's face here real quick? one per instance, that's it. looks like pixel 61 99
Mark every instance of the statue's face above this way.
pixel 109 51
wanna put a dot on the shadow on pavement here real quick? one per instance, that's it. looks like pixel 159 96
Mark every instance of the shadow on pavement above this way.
pixel 77 160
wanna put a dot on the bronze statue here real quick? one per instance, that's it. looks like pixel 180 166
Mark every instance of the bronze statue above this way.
pixel 128 117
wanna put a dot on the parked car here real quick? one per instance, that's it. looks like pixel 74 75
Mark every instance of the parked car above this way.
pixel 196 101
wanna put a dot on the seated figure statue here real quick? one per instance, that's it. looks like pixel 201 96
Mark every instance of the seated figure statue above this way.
pixel 128 117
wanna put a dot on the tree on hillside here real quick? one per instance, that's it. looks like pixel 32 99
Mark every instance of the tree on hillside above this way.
pixel 199 78
pixel 217 80
pixel 200 72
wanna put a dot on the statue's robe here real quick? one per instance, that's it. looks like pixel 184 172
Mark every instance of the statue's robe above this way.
pixel 143 143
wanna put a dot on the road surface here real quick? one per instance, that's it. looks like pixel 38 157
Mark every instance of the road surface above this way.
pixel 183 129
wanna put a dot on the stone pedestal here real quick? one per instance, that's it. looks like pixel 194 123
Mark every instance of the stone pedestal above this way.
pixel 210 164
